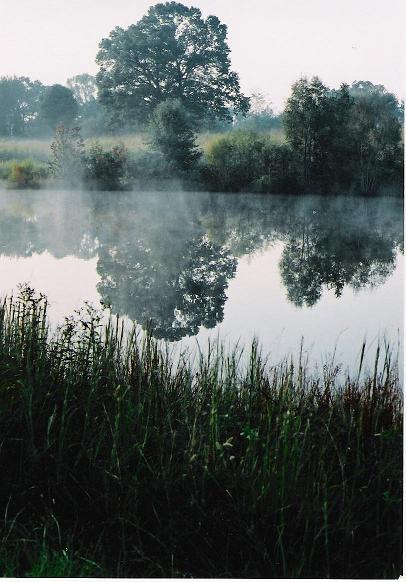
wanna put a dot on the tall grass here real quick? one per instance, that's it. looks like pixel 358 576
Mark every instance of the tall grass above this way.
pixel 117 462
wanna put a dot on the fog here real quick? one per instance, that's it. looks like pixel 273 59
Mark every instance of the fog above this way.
pixel 197 266
pixel 273 42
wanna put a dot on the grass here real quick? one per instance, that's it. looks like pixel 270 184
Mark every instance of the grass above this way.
pixel 23 173
pixel 118 462
pixel 17 149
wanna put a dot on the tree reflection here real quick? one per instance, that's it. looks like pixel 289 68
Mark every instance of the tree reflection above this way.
pixel 173 294
pixel 166 260
pixel 321 255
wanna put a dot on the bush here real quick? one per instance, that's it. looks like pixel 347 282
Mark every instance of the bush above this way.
pixel 67 156
pixel 5 169
pixel 26 174
pixel 234 161
pixel 107 170
pixel 250 161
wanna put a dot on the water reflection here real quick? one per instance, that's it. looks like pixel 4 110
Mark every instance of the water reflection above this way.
pixel 166 260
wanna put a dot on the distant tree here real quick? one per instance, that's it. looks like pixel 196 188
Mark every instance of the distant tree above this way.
pixel 19 104
pixel 58 106
pixel 260 116
pixel 171 53
pixel 171 132
pixel 91 115
pixel 83 87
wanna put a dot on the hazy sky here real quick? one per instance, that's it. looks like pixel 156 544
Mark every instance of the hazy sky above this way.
pixel 273 42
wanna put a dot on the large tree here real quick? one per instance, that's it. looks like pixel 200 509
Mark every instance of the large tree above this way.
pixel 171 53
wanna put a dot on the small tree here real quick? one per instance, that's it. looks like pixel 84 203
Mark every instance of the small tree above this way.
pixel 172 133
pixel 68 154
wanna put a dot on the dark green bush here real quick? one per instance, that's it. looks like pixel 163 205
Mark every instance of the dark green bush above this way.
pixel 280 170
pixel 106 170
pixel 234 161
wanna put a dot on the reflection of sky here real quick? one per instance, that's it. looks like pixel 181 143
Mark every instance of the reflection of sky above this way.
pixel 256 306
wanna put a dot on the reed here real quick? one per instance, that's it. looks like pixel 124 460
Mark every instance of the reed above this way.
pixel 117 461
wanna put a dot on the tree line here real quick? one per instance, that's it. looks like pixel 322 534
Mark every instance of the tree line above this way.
pixel 171 73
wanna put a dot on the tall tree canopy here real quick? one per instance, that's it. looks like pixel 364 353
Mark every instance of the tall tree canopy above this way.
pixel 171 53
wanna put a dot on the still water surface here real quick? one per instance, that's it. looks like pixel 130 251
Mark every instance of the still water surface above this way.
pixel 198 266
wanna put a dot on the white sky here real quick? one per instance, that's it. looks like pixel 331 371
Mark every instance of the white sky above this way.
pixel 273 42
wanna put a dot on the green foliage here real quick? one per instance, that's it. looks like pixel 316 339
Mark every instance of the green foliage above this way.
pixel 171 53
pixel 58 107
pixel 91 116
pixel 260 116
pixel 280 171
pixel 19 104
pixel 348 139
pixel 67 155
pixel 235 160
pixel 374 130
pixel 250 161
pixel 218 470
pixel 306 120
pixel 27 174
pixel 106 170
pixel 171 133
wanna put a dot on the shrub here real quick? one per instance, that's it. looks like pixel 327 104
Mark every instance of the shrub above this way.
pixel 67 155
pixel 234 161
pixel 5 169
pixel 107 170
pixel 26 174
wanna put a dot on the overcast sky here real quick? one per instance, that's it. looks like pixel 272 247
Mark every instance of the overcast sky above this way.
pixel 273 42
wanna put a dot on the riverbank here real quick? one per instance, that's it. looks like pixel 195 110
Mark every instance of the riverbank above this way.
pixel 231 161
pixel 119 463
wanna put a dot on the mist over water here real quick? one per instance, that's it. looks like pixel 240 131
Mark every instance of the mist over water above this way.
pixel 194 266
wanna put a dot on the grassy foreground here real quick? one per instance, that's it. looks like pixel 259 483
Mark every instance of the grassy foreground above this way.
pixel 117 462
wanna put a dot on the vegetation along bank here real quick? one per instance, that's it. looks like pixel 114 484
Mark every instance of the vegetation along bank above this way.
pixel 121 462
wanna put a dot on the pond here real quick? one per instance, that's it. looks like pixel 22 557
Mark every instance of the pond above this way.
pixel 194 266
